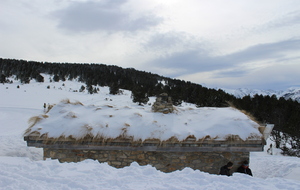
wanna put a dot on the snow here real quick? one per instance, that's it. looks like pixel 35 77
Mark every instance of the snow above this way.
pixel 292 92
pixel 110 120
pixel 23 167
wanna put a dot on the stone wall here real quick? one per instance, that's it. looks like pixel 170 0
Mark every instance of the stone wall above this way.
pixel 164 161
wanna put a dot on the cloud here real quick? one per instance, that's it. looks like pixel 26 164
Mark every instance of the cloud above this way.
pixel 274 50
pixel 289 19
pixel 276 77
pixel 103 15
pixel 169 40
pixel 234 64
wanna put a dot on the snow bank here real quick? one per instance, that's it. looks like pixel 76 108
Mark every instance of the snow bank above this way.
pixel 21 173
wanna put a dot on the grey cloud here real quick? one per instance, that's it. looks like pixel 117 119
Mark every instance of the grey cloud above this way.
pixel 289 19
pixel 198 61
pixel 105 15
pixel 233 73
pixel 167 40
pixel 190 61
pixel 275 50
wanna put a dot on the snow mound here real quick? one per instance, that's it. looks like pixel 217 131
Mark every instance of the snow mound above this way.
pixel 110 120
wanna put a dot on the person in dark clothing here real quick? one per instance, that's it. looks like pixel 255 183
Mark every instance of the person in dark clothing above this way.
pixel 225 170
pixel 244 168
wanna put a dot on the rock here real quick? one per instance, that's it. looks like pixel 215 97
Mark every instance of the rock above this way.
pixel 163 104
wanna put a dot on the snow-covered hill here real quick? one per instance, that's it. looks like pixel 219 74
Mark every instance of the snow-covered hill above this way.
pixel 293 93
pixel 23 167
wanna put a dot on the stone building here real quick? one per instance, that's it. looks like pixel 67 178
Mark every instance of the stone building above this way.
pixel 175 152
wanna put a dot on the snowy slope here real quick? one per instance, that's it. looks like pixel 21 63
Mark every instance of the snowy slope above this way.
pixel 22 167
pixel 293 93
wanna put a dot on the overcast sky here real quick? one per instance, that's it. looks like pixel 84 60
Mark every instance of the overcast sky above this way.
pixel 217 43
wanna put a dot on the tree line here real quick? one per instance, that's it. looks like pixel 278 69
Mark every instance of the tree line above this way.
pixel 284 114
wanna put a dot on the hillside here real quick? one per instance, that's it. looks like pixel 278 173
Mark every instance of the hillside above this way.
pixel 142 84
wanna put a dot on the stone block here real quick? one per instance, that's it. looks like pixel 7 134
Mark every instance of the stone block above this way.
pixel 227 155
pixel 103 159
pixel 123 156
pixel 67 160
pixel 152 158
pixel 196 162
pixel 115 163
pixel 182 157
pixel 141 156
pixel 52 154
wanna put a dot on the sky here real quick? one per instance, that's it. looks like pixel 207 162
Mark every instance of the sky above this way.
pixel 219 44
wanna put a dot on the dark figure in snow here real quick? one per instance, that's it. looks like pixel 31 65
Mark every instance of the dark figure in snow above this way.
pixel 270 150
pixel 244 168
pixel 225 170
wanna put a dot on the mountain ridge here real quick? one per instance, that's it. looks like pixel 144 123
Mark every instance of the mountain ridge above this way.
pixel 291 93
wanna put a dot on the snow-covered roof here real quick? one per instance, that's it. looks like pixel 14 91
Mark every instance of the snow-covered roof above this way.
pixel 140 123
